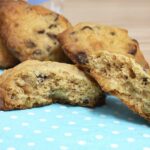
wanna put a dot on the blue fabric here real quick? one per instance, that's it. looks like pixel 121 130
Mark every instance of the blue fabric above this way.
pixel 63 127
pixel 36 1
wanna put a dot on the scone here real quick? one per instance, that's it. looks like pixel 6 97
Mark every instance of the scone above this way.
pixel 30 32
pixel 34 83
pixel 93 38
pixel 7 60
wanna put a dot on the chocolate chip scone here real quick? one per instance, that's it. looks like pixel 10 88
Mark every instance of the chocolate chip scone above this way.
pixel 35 83
pixel 93 38
pixel 30 32
pixel 7 60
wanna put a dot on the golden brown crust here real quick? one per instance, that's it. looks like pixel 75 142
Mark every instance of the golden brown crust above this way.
pixel 7 60
pixel 94 38
pixel 30 32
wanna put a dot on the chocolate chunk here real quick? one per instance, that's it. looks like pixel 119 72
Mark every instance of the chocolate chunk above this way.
pixel 56 18
pixel 145 80
pixel 41 31
pixel 30 44
pixel 41 78
pixel 132 51
pixel 85 101
pixel 52 26
pixel 37 52
pixel 16 24
pixel 82 58
pixel 112 33
pixel 52 36
pixel 87 27
pixel 132 74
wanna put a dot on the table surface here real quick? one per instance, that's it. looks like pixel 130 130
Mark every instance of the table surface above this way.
pixel 133 15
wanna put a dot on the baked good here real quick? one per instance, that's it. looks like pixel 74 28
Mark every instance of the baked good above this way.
pixel 30 32
pixel 93 38
pixel 35 83
pixel 7 60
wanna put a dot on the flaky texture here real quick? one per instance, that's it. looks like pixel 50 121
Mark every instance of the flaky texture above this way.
pixel 34 83
pixel 7 60
pixel 30 32
pixel 94 38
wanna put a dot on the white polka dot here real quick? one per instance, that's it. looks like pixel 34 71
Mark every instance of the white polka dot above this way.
pixel 99 137
pixel 146 135
pixel 71 123
pixel 31 144
pixel 114 145
pixel 47 110
pixel 131 128
pixel 63 147
pixel 13 117
pixel 1 140
pixel 85 129
pixel 50 139
pixel 25 124
pixel 75 112
pixel 42 120
pixel 54 127
pixel 116 122
pixel 63 107
pixel 6 128
pixel 101 125
pixel 31 113
pixel 68 134
pixel 130 140
pixel 11 148
pixel 37 131
pixel 146 148
pixel 59 116
pixel 18 136
pixel 81 142
pixel 87 118
pixel 115 132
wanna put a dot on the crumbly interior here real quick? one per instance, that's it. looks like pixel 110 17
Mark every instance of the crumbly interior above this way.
pixel 34 87
pixel 121 76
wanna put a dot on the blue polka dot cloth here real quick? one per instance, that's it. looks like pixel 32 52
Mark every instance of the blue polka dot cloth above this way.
pixel 64 127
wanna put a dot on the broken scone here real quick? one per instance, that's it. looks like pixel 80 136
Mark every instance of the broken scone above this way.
pixel 34 83
pixel 30 32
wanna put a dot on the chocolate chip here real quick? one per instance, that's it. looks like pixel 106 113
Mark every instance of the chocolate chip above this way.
pixel 52 26
pixel 82 58
pixel 41 31
pixel 37 52
pixel 132 74
pixel 86 101
pixel 56 18
pixel 87 27
pixel 30 44
pixel 16 24
pixel 145 80
pixel 112 33
pixel 132 51
pixel 41 78
pixel 52 36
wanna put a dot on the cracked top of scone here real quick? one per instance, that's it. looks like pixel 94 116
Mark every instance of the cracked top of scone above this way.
pixel 30 32
pixel 91 38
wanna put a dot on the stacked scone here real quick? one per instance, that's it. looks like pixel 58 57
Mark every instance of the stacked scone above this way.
pixel 108 58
